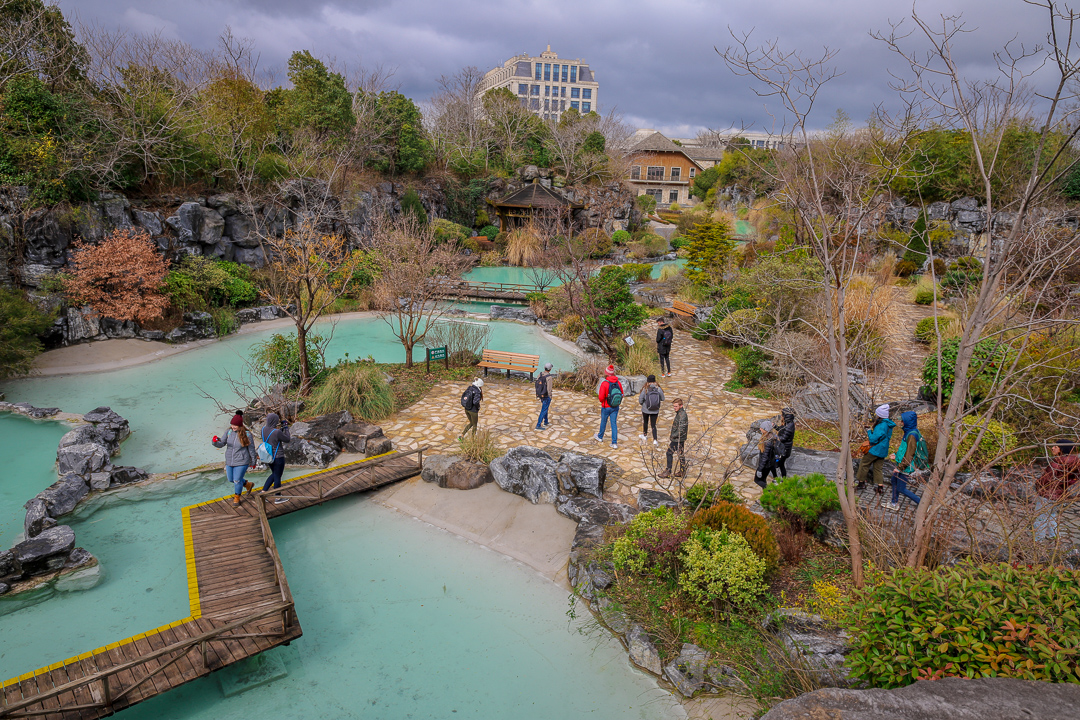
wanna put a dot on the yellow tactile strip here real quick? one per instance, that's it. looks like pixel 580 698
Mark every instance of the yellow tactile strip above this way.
pixel 192 580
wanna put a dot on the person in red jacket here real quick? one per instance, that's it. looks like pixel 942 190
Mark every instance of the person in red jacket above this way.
pixel 611 395
pixel 1053 485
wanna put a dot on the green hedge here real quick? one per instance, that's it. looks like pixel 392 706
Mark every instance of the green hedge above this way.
pixel 968 621
pixel 801 499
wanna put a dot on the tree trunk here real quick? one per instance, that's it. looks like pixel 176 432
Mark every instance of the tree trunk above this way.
pixel 301 347
pixel 408 352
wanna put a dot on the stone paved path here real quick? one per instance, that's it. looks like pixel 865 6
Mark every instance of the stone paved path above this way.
pixel 510 409
pixel 903 376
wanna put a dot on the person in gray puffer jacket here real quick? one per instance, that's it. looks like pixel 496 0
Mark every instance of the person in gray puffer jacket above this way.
pixel 239 455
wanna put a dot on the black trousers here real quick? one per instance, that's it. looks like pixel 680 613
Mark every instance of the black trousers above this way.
pixel 675 448
pixel 646 419
pixel 665 361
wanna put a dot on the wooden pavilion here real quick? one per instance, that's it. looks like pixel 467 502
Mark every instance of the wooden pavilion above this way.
pixel 521 208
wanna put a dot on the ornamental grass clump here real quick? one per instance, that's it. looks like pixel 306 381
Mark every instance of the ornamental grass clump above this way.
pixel 969 621
pixel 359 388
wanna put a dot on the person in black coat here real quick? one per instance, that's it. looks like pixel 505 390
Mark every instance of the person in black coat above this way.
pixel 664 335
pixel 786 434
pixel 769 450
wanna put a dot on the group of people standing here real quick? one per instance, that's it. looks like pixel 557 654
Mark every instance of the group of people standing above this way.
pixel 242 454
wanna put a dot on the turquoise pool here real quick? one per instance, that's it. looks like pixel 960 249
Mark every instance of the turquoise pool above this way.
pixel 29 468
pixel 522 276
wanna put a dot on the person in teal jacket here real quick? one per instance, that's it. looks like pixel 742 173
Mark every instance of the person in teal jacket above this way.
pixel 880 436
pixel 910 459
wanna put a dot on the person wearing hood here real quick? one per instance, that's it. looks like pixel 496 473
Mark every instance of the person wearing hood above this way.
pixel 769 451
pixel 239 455
pixel 910 458
pixel 786 434
pixel 880 437
pixel 1057 482
pixel 275 432
pixel 610 395
pixel 470 400
pixel 664 336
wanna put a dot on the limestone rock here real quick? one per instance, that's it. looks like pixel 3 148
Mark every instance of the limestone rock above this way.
pixel 110 419
pixel 125 475
pixel 821 646
pixel 378 446
pixel 586 344
pixel 36 513
pixel 301 451
pixel 82 459
pixel 100 480
pixel 631 385
pixel 835 528
pixel 354 436
pixel 952 698
pixel 435 467
pixel 593 511
pixel 528 472
pixel 258 314
pixel 63 495
pixel 651 499
pixel 687 671
pixel 80 324
pixel 46 552
pixel 612 616
pixel 588 535
pixel 817 401
pixel 500 312
pixel 582 474
pixel 9 565
pixel 322 429
pixel 466 475
pixel 642 651
pixel 82 435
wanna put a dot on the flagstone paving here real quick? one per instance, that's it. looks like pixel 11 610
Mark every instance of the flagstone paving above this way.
pixel 510 409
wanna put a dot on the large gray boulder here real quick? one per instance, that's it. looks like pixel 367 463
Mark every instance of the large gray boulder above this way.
pixel 322 429
pixel 82 459
pixel 817 401
pixel 949 698
pixel 114 427
pixel 500 312
pixel 258 314
pixel 63 495
pixel 642 651
pixel 821 645
pixel 631 385
pixel 435 467
pixel 582 474
pixel 687 671
pixel 36 515
pixel 593 511
pixel 651 499
pixel 466 475
pixel 301 451
pixel 125 475
pixel 528 472
pixel 378 446
pixel 46 552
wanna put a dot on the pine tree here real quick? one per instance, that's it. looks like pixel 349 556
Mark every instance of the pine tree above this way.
pixel 710 249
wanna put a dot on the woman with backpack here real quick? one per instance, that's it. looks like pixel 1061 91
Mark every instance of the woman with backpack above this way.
pixel 769 450
pixel 239 455
pixel 911 457
pixel 650 398
pixel 610 396
pixel 270 453
pixel 470 400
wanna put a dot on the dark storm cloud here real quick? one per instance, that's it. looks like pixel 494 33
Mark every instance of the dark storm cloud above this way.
pixel 655 63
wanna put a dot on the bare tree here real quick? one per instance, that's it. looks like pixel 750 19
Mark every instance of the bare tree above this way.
pixel 590 147
pixel 1019 299
pixel 457 126
pixel 419 279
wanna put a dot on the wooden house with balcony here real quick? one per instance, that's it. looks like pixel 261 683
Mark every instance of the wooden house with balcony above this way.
pixel 660 168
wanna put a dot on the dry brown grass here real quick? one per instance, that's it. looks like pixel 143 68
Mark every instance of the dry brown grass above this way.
pixel 524 247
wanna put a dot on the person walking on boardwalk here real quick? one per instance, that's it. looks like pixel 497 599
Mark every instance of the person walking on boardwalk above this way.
pixel 544 384
pixel 911 457
pixel 786 433
pixel 650 398
pixel 239 455
pixel 611 396
pixel 470 400
pixel 680 428
pixel 664 336
pixel 1056 483
pixel 770 449
pixel 274 433
pixel 879 437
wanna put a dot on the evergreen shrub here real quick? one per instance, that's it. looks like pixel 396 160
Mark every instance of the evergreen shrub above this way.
pixel 738 519
pixel 801 499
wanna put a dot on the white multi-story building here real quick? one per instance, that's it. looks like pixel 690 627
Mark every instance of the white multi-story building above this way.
pixel 546 85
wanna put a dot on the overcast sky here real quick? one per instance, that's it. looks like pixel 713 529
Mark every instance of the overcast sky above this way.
pixel 654 61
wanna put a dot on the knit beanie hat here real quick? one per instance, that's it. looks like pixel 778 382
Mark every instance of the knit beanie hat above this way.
pixel 610 369
pixel 547 367
pixel 882 411
pixel 478 383
pixel 238 419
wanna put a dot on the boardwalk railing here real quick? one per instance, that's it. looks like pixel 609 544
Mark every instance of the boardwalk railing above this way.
pixel 470 288
pixel 106 687
pixel 323 486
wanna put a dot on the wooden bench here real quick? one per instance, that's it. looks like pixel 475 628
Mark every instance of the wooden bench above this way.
pixel 499 360
pixel 683 310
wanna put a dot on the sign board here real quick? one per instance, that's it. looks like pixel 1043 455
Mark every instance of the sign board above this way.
pixel 629 341
pixel 439 353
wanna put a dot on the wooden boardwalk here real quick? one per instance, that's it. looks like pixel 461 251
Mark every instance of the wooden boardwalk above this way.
pixel 472 290
pixel 240 602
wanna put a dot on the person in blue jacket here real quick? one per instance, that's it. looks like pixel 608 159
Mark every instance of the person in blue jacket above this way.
pixel 909 459
pixel 880 436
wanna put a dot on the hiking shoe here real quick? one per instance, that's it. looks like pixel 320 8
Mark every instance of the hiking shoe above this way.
pixel 860 486
pixel 643 438
pixel 598 439
pixel 614 446
pixel 281 500
pixel 879 489
pixel 655 444
pixel 665 474
pixel 236 500
pixel 890 505
pixel 250 487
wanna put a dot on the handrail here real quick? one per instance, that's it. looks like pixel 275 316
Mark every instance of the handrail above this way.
pixel 102 675
pixel 369 462
pixel 271 547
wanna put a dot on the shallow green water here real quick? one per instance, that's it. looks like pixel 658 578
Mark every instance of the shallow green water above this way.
pixel 521 276
pixel 29 454
pixel 743 228
pixel 172 423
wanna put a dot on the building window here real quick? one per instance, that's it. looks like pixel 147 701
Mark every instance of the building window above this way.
pixel 692 173
pixel 547 71
pixel 655 173
pixel 586 107
pixel 573 104
pixel 673 196
pixel 539 71
pixel 655 194
pixel 562 105
pixel 563 92
pixel 536 90
pixel 635 172
pixel 575 92
pixel 573 73
pixel 547 91
pixel 524 102
pixel 676 173
pixel 587 94
pixel 547 104
pixel 523 89
pixel 534 104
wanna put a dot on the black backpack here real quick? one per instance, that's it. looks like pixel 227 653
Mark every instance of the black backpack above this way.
pixel 541 387
pixel 652 399
pixel 466 398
